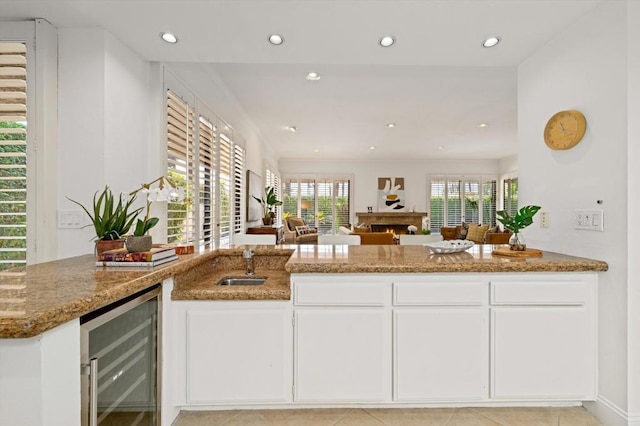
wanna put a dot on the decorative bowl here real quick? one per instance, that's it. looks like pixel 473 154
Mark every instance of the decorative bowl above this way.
pixel 449 246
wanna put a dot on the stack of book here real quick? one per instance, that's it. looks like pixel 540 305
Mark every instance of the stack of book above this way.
pixel 121 257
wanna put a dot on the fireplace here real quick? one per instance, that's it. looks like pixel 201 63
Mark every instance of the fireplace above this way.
pixel 394 228
pixel 397 222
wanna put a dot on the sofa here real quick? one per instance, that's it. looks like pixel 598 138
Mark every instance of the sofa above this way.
pixel 480 234
pixel 293 235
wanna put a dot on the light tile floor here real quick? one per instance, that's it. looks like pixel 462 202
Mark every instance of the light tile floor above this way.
pixel 543 416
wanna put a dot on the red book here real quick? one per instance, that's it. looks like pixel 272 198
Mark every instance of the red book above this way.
pixel 122 255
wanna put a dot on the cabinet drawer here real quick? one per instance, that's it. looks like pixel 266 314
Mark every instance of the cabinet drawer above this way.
pixel 339 294
pixel 438 294
pixel 540 293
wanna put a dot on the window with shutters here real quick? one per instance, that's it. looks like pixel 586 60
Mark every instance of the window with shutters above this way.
pixel 13 155
pixel 180 141
pixel 511 196
pixel 273 180
pixel 206 161
pixel 453 200
pixel 322 201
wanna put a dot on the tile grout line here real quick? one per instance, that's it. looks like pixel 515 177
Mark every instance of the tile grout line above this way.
pixel 487 417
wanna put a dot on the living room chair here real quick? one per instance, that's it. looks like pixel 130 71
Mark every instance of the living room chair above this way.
pixel 291 234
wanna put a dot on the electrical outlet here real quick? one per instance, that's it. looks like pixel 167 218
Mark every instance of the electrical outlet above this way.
pixel 544 219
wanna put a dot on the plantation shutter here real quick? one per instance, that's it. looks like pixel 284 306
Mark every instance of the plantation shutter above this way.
pixel 238 188
pixel 180 127
pixel 437 204
pixel 325 205
pixel 511 196
pixel 454 203
pixel 224 189
pixel 308 201
pixel 207 138
pixel 342 195
pixel 290 193
pixel 273 180
pixel 489 200
pixel 13 155
pixel 471 190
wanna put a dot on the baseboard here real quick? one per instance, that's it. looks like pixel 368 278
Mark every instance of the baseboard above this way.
pixel 610 414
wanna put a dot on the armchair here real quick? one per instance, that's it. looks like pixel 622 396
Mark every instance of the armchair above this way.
pixel 291 235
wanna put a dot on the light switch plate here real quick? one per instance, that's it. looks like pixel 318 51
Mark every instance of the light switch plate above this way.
pixel 70 219
pixel 591 220
pixel 544 219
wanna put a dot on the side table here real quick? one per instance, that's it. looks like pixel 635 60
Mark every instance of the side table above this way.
pixel 278 231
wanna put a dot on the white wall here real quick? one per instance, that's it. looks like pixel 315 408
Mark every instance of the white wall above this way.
pixel 584 68
pixel 633 199
pixel 416 175
pixel 105 123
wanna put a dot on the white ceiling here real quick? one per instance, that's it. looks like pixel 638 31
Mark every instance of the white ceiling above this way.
pixel 437 83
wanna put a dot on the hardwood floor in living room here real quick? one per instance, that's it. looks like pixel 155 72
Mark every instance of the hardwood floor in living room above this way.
pixel 508 416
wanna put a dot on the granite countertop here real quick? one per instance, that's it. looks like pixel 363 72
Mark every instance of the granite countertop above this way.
pixel 418 259
pixel 40 297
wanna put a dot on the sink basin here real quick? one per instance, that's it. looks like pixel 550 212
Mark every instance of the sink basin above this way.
pixel 242 281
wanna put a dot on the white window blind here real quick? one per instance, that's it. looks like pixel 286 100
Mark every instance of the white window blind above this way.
pixel 273 180
pixel 180 216
pixel 207 137
pixel 511 196
pixel 323 201
pixel 454 199
pixel 238 188
pixel 13 155
pixel 224 189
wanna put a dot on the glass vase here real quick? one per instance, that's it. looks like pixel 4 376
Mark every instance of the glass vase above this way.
pixel 517 242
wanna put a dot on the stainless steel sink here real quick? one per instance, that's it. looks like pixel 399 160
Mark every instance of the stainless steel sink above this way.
pixel 242 281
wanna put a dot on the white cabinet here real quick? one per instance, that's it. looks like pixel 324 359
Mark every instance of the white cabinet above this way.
pixel 342 340
pixel 440 354
pixel 440 341
pixel 543 339
pixel 342 355
pixel 238 352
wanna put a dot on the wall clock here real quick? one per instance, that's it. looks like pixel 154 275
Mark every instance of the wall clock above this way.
pixel 565 129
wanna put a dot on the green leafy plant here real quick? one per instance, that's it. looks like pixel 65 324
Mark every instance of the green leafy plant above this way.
pixel 111 221
pixel 268 202
pixel 426 232
pixel 522 219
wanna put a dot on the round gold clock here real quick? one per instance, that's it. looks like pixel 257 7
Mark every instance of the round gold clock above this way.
pixel 565 129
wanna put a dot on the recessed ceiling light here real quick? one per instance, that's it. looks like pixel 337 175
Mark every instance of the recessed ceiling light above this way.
pixel 169 38
pixel 441 147
pixel 482 125
pixel 292 129
pixel 372 147
pixel 391 125
pixel 313 76
pixel 276 39
pixel 387 41
pixel 491 41
pixel 316 150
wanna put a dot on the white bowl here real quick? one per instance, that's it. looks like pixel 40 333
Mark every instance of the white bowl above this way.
pixel 449 246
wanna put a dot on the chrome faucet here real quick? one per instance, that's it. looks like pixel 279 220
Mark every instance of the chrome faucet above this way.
pixel 247 254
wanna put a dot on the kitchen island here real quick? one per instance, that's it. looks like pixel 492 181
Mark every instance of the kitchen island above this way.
pixel 336 325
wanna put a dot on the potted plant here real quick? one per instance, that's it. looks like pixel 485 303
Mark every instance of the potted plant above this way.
pixel 140 241
pixel 268 203
pixel 111 221
pixel 522 219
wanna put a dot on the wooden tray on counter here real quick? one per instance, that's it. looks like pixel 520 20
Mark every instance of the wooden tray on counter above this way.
pixel 515 253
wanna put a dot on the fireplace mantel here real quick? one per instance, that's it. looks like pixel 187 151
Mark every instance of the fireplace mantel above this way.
pixel 392 218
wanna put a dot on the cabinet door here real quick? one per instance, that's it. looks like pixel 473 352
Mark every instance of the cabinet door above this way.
pixel 236 356
pixel 543 353
pixel 441 354
pixel 342 355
